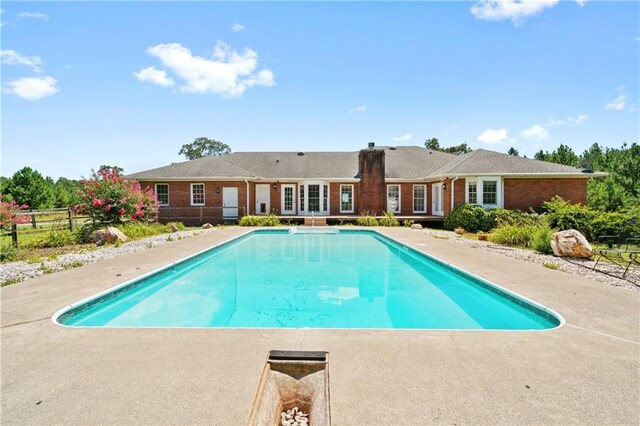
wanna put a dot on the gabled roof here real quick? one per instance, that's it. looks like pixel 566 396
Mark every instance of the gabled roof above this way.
pixel 485 162
pixel 402 162
pixel 294 165
pixel 199 168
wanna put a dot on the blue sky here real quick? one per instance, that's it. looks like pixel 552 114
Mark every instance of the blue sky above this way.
pixel 85 84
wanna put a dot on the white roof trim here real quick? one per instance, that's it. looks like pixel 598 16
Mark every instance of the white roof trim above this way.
pixel 576 175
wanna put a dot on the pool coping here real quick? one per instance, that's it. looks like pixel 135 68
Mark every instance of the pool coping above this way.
pixel 502 291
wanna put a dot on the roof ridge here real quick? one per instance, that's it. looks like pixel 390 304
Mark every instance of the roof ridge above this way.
pixel 468 154
pixel 238 167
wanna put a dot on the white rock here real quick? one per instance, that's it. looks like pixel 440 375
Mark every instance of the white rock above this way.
pixel 570 243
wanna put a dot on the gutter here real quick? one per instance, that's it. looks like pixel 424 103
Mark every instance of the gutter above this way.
pixel 453 190
pixel 247 209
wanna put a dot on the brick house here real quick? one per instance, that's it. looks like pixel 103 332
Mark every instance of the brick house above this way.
pixel 410 181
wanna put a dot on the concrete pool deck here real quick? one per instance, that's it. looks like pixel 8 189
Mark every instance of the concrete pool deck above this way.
pixel 584 372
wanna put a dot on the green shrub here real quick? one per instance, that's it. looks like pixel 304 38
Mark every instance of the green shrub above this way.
pixel 389 219
pixel 249 221
pixel 563 215
pixel 366 221
pixel 268 220
pixel 513 235
pixel 55 238
pixel 8 252
pixel 500 216
pixel 471 217
pixel 407 223
pixel 138 230
pixel 609 223
pixel 541 240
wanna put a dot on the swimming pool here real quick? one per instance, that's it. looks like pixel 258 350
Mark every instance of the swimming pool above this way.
pixel 291 278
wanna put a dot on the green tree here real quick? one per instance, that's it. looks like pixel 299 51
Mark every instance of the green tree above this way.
pixel 27 186
pixel 621 189
pixel 562 155
pixel 204 147
pixel 67 192
pixel 513 151
pixel 109 169
pixel 434 145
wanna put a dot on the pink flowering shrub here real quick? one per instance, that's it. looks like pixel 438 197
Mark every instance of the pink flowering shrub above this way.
pixel 9 213
pixel 110 198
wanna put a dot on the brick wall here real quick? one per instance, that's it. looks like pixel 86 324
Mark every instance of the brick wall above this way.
pixel 334 198
pixel 524 193
pixel 180 209
pixel 372 189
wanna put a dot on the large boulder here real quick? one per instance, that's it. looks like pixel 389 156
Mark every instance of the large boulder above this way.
pixel 109 235
pixel 570 243
pixel 416 226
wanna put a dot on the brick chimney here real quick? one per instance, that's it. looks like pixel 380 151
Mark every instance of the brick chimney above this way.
pixel 373 192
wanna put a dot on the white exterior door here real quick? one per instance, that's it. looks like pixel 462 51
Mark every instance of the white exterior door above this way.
pixel 437 200
pixel 313 198
pixel 230 202
pixel 288 199
pixel 263 199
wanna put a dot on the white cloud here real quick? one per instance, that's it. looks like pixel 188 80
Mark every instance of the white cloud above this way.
pixel 33 88
pixel 11 57
pixel 403 138
pixel 493 136
pixel 34 15
pixel 154 76
pixel 554 123
pixel 515 10
pixel 578 120
pixel 358 110
pixel 581 3
pixel 620 101
pixel 237 27
pixel 227 72
pixel 535 132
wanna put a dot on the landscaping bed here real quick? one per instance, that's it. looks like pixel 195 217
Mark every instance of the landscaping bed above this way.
pixel 58 259
pixel 606 273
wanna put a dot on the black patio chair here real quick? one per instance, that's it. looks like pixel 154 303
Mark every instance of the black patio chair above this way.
pixel 620 245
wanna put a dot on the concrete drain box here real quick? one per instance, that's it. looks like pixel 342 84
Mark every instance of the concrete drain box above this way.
pixel 293 379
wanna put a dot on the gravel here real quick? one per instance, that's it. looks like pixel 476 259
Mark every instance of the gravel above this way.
pixel 606 273
pixel 20 271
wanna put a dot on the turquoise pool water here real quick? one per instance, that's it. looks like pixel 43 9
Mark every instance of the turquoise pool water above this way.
pixel 350 279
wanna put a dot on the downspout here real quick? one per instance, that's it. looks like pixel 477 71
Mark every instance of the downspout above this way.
pixel 247 209
pixel 453 190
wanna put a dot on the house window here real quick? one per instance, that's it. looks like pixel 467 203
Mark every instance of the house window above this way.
pixel 162 193
pixel 393 198
pixel 325 190
pixel 346 198
pixel 472 191
pixel 484 191
pixel 314 198
pixel 301 198
pixel 490 192
pixel 419 199
pixel 197 194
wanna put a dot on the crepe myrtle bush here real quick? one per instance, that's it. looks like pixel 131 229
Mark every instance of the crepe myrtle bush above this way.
pixel 9 213
pixel 109 198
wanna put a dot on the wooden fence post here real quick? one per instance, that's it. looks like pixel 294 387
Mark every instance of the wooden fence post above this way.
pixel 14 234
pixel 71 223
pixel 33 221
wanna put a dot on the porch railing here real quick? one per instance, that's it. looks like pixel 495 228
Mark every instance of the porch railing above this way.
pixel 200 215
